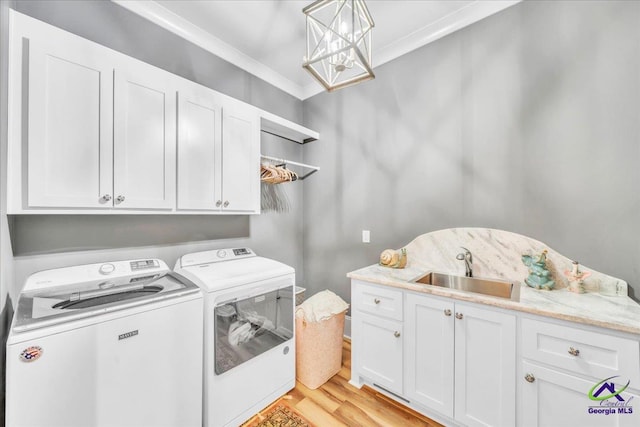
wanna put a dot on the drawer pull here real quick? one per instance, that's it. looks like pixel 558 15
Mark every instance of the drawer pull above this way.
pixel 459 316
pixel 377 301
pixel 574 351
pixel 447 312
pixel 396 334
pixel 530 378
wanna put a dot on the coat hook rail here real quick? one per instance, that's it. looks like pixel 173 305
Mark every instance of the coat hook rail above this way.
pixel 314 169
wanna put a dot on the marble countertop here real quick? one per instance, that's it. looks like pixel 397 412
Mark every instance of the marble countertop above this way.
pixel 620 313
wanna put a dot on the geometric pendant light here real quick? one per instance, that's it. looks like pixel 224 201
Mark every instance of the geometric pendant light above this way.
pixel 338 42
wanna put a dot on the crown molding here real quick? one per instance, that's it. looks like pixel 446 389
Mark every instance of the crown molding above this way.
pixel 455 21
pixel 168 20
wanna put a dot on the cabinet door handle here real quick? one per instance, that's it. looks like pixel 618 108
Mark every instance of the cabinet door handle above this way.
pixel 530 378
pixel 376 300
pixel 459 316
pixel 574 351
pixel 447 312
pixel 226 203
pixel 396 334
pixel 120 199
pixel 106 197
pixel 218 203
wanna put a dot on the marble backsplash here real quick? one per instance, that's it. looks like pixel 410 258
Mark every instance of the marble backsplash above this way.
pixel 497 254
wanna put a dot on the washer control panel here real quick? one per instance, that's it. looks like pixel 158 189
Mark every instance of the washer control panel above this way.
pixel 107 269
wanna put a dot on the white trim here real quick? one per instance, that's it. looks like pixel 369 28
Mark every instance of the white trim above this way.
pixel 455 21
pixel 161 16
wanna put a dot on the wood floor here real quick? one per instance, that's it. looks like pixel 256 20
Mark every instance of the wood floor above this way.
pixel 338 403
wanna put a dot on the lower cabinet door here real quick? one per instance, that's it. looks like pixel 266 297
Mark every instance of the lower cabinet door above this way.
pixel 429 329
pixel 380 352
pixel 552 398
pixel 485 365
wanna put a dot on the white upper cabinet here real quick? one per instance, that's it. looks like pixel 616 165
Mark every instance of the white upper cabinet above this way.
pixel 241 155
pixel 144 143
pixel 218 153
pixel 69 124
pixel 199 149
pixel 100 126
pixel 94 131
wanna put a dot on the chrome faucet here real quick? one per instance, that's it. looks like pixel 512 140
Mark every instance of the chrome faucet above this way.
pixel 468 261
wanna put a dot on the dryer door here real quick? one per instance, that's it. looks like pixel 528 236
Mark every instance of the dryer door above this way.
pixel 251 324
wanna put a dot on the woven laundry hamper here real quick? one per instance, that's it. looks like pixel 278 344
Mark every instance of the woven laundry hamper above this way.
pixel 318 349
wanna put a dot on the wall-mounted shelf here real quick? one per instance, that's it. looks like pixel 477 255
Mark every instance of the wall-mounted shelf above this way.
pixel 275 125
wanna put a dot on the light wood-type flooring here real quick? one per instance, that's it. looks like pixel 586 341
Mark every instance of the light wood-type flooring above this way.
pixel 338 403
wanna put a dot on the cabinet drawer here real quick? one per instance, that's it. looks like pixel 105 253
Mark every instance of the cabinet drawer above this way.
pixel 595 354
pixel 379 300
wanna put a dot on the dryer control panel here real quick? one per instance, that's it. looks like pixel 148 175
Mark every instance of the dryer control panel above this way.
pixel 218 255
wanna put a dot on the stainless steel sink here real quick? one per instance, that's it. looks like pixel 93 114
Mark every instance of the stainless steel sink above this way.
pixel 491 287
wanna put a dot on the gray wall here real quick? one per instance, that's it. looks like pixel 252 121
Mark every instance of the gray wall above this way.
pixel 42 242
pixel 527 121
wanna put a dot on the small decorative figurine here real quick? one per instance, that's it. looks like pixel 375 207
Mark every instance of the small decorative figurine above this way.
pixel 539 276
pixel 393 259
pixel 576 278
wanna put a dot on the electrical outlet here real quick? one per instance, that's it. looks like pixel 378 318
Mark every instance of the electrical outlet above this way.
pixel 366 236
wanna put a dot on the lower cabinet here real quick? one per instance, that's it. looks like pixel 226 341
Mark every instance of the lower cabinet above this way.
pixel 429 352
pixel 467 364
pixel 485 366
pixel 460 360
pixel 455 359
pixel 577 376
pixel 553 398
pixel 381 352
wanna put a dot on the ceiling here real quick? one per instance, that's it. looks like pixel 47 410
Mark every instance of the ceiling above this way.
pixel 267 37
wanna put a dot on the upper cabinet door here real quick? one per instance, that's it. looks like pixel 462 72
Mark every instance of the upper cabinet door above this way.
pixel 241 166
pixel 199 150
pixel 69 125
pixel 144 137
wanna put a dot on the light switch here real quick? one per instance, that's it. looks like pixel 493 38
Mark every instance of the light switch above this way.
pixel 366 236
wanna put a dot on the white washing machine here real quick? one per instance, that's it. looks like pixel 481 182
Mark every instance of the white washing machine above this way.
pixel 249 349
pixel 113 344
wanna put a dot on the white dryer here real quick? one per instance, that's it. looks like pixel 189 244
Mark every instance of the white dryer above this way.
pixel 113 344
pixel 249 350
